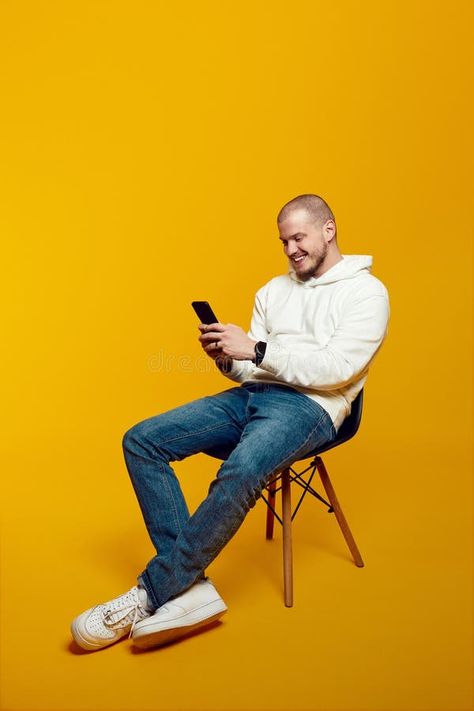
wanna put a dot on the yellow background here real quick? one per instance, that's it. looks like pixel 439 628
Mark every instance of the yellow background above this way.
pixel 146 149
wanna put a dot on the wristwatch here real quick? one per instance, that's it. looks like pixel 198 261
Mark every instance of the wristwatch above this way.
pixel 260 348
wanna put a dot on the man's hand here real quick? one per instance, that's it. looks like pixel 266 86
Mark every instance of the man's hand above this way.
pixel 226 339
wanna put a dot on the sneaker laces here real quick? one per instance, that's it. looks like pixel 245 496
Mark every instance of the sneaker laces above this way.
pixel 126 609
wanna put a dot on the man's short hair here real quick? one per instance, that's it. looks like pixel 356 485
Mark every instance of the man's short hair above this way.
pixel 317 208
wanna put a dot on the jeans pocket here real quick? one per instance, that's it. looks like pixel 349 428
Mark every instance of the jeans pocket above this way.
pixel 316 410
pixel 323 433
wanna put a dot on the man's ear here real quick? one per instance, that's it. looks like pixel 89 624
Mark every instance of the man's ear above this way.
pixel 329 228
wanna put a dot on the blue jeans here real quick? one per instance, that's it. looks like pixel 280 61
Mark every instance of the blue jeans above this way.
pixel 256 429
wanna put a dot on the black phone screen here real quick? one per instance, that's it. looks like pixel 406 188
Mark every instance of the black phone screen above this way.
pixel 204 312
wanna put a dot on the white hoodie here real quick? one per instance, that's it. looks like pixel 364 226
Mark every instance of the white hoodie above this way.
pixel 322 334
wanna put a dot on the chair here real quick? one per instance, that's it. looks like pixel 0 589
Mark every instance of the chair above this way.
pixel 288 475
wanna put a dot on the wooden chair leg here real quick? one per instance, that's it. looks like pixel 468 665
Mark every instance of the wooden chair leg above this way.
pixel 270 515
pixel 338 511
pixel 287 551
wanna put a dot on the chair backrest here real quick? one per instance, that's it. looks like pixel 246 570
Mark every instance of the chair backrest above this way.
pixel 348 428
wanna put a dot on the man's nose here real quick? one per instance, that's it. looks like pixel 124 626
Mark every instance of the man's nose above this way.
pixel 291 250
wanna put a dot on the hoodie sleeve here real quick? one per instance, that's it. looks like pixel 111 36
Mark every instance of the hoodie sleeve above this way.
pixel 347 354
pixel 242 369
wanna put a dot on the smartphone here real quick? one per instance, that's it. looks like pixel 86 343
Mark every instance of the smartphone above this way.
pixel 204 312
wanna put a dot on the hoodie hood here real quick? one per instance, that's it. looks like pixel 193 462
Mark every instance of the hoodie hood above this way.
pixel 349 266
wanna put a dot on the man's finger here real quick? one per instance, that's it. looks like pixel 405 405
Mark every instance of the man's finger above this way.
pixel 203 326
pixel 215 327
pixel 210 336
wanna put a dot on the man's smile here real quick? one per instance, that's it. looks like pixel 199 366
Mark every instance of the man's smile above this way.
pixel 298 259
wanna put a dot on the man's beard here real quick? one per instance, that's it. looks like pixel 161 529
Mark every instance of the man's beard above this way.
pixel 311 270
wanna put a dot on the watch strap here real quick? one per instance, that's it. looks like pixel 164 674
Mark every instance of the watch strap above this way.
pixel 260 348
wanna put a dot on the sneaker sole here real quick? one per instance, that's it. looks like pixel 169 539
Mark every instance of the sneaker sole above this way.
pixel 157 633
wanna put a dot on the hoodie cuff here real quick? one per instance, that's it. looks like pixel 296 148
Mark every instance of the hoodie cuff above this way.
pixel 274 359
pixel 224 366
pixel 236 370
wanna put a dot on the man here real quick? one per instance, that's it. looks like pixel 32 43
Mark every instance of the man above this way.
pixel 314 332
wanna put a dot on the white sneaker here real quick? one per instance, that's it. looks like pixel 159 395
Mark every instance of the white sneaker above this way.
pixel 108 622
pixel 198 606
